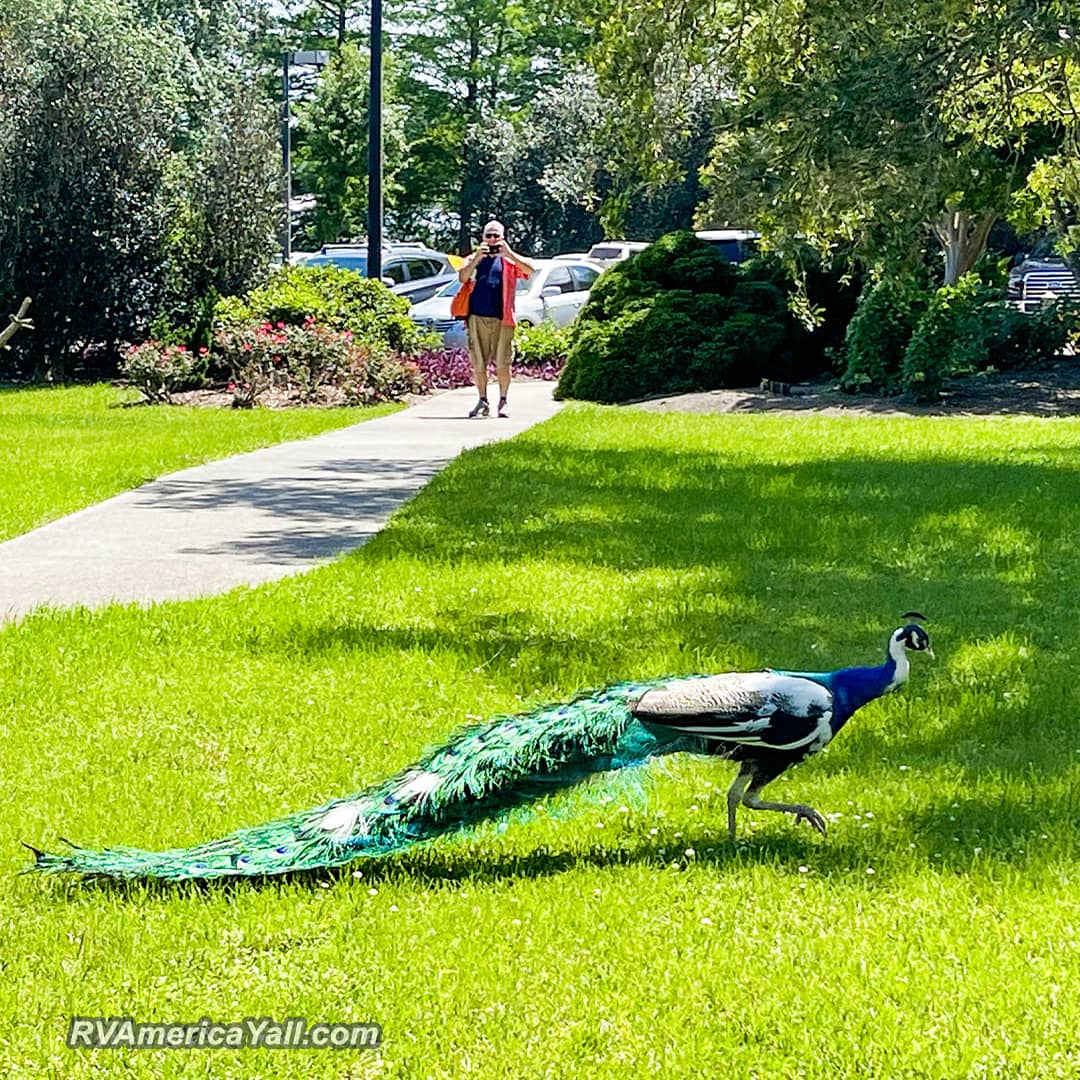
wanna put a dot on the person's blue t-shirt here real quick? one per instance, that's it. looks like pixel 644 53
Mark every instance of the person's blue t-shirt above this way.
pixel 487 295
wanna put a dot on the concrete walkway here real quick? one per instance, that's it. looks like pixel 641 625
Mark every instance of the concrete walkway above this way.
pixel 254 517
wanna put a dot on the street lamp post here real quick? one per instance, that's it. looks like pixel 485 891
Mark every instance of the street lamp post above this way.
pixel 375 161
pixel 307 58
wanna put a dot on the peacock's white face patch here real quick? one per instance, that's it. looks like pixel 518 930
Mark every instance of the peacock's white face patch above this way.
pixel 915 638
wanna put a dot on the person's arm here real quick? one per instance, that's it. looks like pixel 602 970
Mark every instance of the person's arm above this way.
pixel 527 269
pixel 467 270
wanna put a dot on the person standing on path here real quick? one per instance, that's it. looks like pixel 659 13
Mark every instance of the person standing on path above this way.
pixel 489 281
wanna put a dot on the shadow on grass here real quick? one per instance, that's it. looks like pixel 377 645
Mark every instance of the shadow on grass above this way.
pixel 444 866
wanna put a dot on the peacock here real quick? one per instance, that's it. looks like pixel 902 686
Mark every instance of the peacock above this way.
pixel 766 720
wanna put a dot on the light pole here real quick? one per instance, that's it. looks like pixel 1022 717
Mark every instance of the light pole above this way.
pixel 375 162
pixel 308 58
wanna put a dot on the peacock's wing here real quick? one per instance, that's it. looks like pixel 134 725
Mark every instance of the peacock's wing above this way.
pixel 761 708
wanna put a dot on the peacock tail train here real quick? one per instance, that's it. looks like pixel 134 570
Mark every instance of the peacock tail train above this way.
pixel 486 770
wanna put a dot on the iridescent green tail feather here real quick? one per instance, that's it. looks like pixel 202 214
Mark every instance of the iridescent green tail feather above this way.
pixel 486 770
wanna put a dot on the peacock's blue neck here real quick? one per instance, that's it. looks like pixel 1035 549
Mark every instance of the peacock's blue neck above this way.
pixel 854 687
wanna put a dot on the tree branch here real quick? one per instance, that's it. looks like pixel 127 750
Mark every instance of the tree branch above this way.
pixel 19 321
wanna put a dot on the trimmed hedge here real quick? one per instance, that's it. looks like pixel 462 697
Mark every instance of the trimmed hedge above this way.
pixel 677 317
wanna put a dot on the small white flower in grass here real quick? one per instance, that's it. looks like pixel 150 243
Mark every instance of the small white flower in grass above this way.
pixel 690 853
pixel 654 832
pixel 869 869
pixel 358 873
pixel 904 768
pixel 804 869
pixel 1043 836
pixel 624 809
pixel 978 850
pixel 373 891
pixel 515 922
pixel 599 824
pixel 706 921
pixel 868 815
pixel 393 907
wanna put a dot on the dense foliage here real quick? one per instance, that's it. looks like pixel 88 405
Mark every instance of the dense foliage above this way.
pixel 136 177
pixel 330 296
pixel 678 317
pixel 914 340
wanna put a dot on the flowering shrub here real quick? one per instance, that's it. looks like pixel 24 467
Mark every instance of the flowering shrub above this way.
pixel 158 370
pixel 331 296
pixel 310 360
pixel 447 369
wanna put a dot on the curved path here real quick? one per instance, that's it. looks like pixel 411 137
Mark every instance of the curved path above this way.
pixel 254 517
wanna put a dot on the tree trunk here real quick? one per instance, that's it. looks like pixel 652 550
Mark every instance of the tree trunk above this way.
pixel 962 239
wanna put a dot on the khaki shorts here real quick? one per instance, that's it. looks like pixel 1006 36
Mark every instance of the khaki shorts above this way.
pixel 490 340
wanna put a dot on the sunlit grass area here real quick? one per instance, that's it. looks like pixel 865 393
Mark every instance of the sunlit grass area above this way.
pixel 935 933
pixel 67 447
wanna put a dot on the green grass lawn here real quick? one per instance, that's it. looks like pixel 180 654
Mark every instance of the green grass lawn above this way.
pixel 65 448
pixel 935 933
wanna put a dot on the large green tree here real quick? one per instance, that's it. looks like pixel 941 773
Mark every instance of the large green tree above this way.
pixel 471 64
pixel 881 129
pixel 137 172
pixel 331 158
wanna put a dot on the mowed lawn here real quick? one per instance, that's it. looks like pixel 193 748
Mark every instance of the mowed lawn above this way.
pixel 68 447
pixel 935 933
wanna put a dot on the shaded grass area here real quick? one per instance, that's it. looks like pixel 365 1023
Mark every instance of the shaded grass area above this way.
pixel 65 448
pixel 613 932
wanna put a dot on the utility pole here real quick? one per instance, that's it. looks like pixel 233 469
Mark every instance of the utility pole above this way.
pixel 286 161
pixel 375 162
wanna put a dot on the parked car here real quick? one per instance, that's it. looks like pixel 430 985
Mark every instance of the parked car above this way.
pixel 556 292
pixel 411 270
pixel 613 251
pixel 736 245
pixel 1037 280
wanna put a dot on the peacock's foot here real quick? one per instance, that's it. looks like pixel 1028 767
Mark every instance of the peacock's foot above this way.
pixel 811 817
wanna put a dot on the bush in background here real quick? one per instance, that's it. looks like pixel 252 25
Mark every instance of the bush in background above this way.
pixel 448 369
pixel 904 339
pixel 159 369
pixel 329 296
pixel 543 344
pixel 307 360
pixel 878 335
pixel 677 317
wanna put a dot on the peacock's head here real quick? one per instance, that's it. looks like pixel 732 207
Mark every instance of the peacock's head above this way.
pixel 912 636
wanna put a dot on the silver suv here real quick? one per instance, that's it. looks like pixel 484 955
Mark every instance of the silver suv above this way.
pixel 414 271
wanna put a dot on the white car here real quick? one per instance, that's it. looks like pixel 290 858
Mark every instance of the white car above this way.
pixel 613 251
pixel 555 292
pixel 410 270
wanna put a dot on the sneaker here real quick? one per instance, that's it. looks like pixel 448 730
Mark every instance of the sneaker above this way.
pixel 481 408
pixel 504 409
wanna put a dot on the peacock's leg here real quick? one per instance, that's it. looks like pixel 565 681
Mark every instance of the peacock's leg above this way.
pixel 752 798
pixel 735 794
